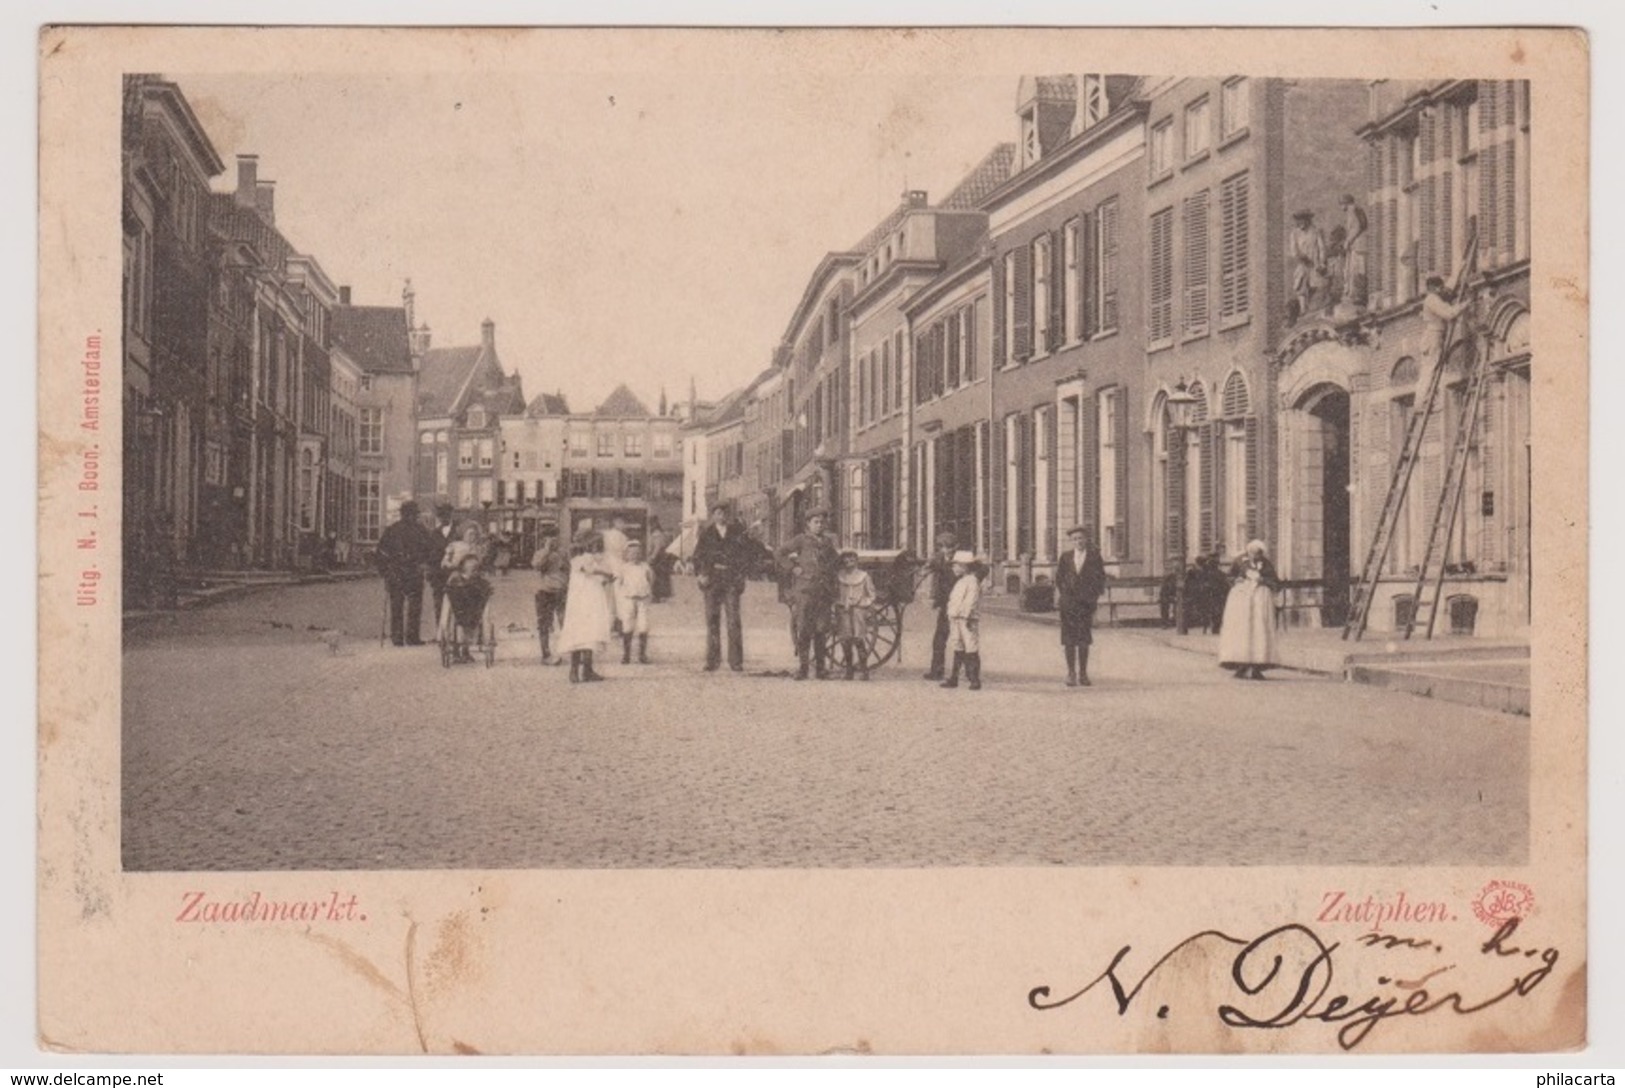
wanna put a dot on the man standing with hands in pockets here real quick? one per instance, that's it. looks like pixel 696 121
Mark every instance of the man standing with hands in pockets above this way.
pixel 722 559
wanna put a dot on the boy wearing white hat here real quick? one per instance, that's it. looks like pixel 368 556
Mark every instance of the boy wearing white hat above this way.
pixel 964 617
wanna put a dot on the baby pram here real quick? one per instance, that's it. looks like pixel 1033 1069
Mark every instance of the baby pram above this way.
pixel 465 621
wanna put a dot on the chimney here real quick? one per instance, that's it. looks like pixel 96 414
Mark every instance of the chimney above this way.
pixel 407 298
pixel 265 201
pixel 248 169
pixel 344 295
pixel 915 198
pixel 488 336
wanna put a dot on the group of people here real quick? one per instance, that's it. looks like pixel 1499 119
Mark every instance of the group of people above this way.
pixel 601 587
pixel 449 558
pixel 600 592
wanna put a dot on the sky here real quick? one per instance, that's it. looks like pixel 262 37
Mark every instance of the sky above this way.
pixel 616 225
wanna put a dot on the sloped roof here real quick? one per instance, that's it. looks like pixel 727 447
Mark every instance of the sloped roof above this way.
pixel 622 402
pixel 548 404
pixel 443 377
pixel 375 337
pixel 984 177
pixel 234 222
pixel 886 227
pixel 733 405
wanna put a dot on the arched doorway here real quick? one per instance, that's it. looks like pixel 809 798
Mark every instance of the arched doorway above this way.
pixel 1329 433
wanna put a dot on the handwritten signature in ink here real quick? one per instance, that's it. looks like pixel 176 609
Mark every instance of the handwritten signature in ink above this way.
pixel 1274 995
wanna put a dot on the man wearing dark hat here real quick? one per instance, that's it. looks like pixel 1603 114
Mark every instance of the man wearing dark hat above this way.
pixel 811 562
pixel 1080 579
pixel 441 537
pixel 722 558
pixel 941 570
pixel 404 550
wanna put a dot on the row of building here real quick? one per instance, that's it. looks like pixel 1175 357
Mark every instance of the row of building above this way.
pixel 998 363
pixel 269 422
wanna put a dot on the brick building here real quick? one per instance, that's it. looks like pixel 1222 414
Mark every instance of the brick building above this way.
pixel 1067 351
pixel 1446 165
pixel 381 343
pixel 167 161
pixel 463 397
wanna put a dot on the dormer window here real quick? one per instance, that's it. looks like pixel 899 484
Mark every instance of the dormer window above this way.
pixel 1091 102
pixel 1030 146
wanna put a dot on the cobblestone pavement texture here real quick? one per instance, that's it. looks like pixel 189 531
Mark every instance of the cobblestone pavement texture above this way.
pixel 249 744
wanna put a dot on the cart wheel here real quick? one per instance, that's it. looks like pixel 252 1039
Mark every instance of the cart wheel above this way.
pixel 888 634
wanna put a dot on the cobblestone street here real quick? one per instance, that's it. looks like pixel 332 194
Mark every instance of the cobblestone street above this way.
pixel 249 744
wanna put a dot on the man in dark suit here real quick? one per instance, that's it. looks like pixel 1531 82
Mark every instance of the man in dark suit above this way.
pixel 942 584
pixel 722 559
pixel 1080 579
pixel 402 555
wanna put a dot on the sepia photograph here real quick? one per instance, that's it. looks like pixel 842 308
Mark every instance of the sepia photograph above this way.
pixel 691 494
pixel 1151 383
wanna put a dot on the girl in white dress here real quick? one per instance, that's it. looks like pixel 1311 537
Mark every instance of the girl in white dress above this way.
pixel 588 609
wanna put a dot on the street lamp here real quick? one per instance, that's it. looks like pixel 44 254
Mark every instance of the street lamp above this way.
pixel 1179 404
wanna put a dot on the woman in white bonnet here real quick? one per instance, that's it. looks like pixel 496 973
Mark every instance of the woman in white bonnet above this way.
pixel 1247 636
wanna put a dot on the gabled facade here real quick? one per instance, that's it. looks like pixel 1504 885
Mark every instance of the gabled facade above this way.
pixel 463 397
pixel 621 459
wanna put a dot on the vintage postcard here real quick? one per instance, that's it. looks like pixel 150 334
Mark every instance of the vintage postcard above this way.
pixel 755 542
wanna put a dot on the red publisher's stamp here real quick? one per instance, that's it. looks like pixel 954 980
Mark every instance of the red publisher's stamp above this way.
pixel 1503 900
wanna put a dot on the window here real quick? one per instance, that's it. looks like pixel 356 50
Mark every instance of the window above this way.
pixel 369 504
pixel 516 461
pixel 486 453
pixel 632 445
pixel 634 485
pixel 1041 299
pixel 372 430
pixel 487 490
pixel 1091 102
pixel 885 378
pixel 1198 129
pixel 606 444
pixel 1111 430
pixel 866 388
pixel 1196 263
pixel 465 453
pixel 1160 296
pixel 897 372
pixel 1030 148
pixel 1009 302
pixel 578 443
pixel 1162 148
pixel 1233 255
pixel 476 419
pixel 662 444
pixel 968 323
pixel 1233 108
pixel 442 471
pixel 1104 278
pixel 465 492
pixel 580 483
pixel 366 382
pixel 1071 326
